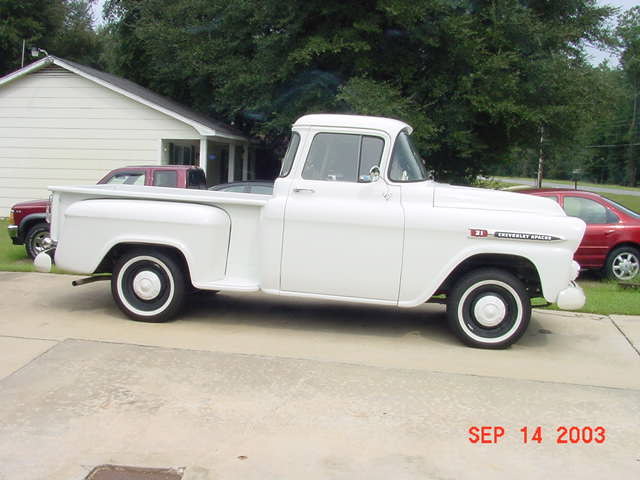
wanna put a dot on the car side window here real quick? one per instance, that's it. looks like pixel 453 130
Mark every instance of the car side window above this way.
pixel 127 178
pixel 588 210
pixel 234 188
pixel 342 157
pixel 262 190
pixel 165 178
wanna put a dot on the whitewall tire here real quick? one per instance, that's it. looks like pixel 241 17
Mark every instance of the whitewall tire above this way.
pixel 148 286
pixel 489 308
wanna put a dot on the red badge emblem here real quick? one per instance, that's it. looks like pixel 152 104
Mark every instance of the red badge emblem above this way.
pixel 475 232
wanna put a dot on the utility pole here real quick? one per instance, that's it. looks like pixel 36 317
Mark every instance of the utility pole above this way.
pixel 540 159
pixel 632 169
pixel 23 47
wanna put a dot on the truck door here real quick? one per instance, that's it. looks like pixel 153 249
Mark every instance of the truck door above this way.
pixel 343 233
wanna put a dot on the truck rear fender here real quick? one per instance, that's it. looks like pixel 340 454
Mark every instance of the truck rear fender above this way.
pixel 92 238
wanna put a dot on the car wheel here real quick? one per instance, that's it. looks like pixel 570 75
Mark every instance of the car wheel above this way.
pixel 623 263
pixel 34 241
pixel 488 308
pixel 148 286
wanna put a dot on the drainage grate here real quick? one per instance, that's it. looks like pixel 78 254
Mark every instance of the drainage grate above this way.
pixel 120 472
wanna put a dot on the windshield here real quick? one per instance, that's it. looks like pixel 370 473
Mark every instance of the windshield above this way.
pixel 624 209
pixel 406 164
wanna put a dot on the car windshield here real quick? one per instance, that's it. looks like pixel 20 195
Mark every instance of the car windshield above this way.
pixel 406 164
pixel 626 210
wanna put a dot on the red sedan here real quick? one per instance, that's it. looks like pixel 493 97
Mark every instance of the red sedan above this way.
pixel 612 239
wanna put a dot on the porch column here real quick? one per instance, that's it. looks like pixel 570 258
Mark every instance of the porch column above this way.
pixel 232 162
pixel 245 162
pixel 203 155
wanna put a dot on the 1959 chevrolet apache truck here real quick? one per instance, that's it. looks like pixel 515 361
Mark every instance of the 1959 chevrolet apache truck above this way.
pixel 353 217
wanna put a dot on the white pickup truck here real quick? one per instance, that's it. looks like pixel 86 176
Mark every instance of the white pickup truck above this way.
pixel 353 217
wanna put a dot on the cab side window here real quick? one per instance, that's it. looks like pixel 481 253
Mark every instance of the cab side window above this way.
pixel 342 157
pixel 165 178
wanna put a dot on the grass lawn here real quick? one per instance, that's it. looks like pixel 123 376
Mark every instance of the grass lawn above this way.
pixel 13 258
pixel 629 201
pixel 606 298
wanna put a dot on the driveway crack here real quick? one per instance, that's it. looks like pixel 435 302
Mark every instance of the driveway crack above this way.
pixel 625 336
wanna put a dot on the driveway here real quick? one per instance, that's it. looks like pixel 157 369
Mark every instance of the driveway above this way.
pixel 251 386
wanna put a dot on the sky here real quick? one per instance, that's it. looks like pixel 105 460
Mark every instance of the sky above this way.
pixel 596 56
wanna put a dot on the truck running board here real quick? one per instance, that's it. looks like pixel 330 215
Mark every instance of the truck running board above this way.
pixel 84 281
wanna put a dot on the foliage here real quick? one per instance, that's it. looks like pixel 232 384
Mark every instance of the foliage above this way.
pixel 61 27
pixel 475 77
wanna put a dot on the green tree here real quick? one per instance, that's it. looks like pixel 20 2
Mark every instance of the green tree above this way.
pixel 629 34
pixel 477 78
pixel 61 27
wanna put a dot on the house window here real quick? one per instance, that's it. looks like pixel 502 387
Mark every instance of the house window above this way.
pixel 181 152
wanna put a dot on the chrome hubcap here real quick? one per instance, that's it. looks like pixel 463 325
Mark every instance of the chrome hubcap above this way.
pixel 626 266
pixel 489 311
pixel 41 241
pixel 147 285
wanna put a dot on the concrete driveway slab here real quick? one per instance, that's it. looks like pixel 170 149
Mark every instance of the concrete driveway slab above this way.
pixel 235 416
pixel 17 352
pixel 559 347
pixel 630 327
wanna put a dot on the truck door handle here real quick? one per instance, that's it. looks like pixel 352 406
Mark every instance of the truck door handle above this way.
pixel 304 190
pixel 609 232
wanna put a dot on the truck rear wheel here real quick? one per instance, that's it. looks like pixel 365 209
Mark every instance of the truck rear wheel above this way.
pixel 148 286
pixel 489 308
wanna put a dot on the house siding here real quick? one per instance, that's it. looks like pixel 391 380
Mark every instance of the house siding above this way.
pixel 57 128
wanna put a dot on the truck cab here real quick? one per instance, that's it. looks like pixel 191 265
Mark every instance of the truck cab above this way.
pixel 353 217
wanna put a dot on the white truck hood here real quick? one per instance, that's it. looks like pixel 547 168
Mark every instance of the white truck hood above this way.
pixel 449 196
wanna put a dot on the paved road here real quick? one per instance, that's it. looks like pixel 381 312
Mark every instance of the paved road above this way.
pixel 302 389
pixel 546 184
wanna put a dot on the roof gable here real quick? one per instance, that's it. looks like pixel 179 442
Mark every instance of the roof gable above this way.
pixel 203 124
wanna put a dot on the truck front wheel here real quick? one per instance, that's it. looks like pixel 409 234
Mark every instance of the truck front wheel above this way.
pixel 489 308
pixel 148 286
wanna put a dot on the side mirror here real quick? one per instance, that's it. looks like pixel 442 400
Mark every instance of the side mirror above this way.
pixel 374 173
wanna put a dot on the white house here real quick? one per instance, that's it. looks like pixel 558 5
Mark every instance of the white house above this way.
pixel 64 123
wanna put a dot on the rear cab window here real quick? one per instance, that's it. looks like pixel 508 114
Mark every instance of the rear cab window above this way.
pixel 292 149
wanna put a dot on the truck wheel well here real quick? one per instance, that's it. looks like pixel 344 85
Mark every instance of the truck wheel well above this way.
pixel 521 267
pixel 29 221
pixel 109 260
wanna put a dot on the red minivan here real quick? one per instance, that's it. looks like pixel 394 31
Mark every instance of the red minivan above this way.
pixel 612 239
pixel 27 220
